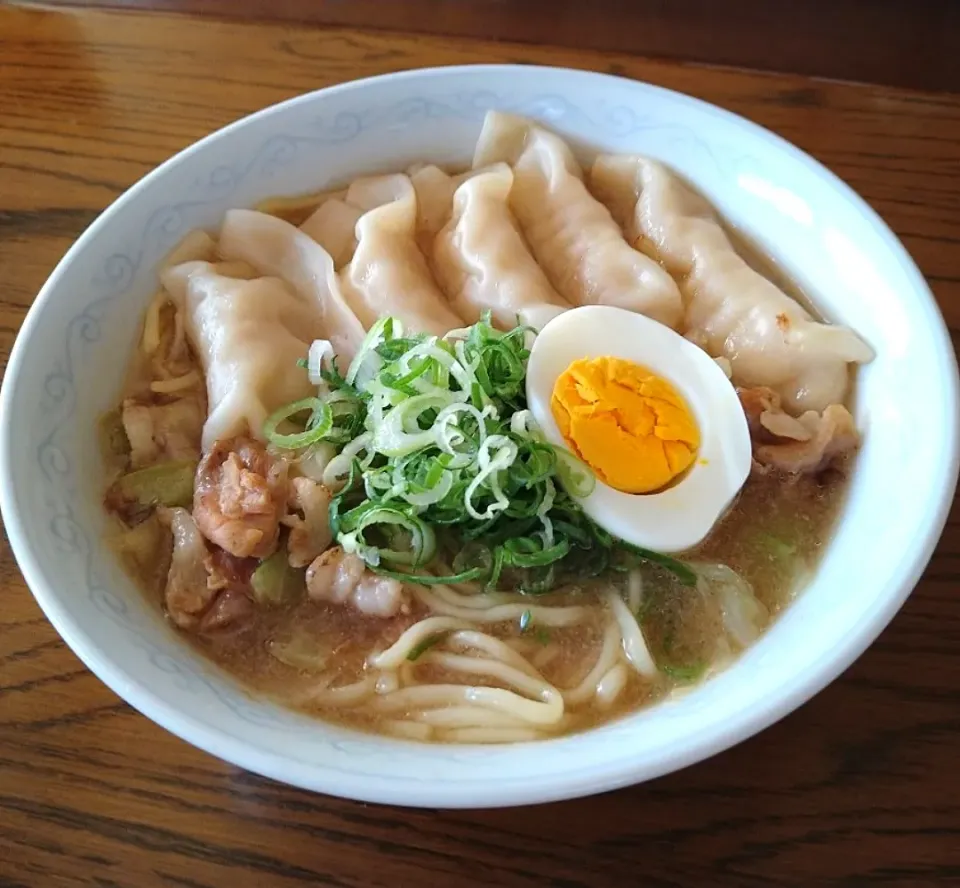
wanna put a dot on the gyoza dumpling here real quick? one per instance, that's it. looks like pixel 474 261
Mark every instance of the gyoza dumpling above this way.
pixel 481 259
pixel 572 235
pixel 434 189
pixel 333 223
pixel 388 274
pixel 274 247
pixel 333 226
pixel 731 310
pixel 248 335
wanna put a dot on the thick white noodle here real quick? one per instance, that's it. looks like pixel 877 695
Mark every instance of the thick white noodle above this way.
pixel 464 717
pixel 634 645
pixel 428 696
pixel 611 685
pixel 345 695
pixel 475 600
pixel 545 712
pixel 408 730
pixel 541 614
pixel 150 339
pixel 490 735
pixel 504 696
pixel 395 655
pixel 467 639
pixel 535 688
pixel 607 657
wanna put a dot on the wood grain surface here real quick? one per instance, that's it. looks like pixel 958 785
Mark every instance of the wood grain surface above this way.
pixel 861 786
pixel 911 43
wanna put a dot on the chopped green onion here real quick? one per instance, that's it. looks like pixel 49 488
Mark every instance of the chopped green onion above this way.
pixel 274 582
pixel 575 474
pixel 301 651
pixel 683 673
pixel 336 502
pixel 382 331
pixel 466 576
pixel 683 572
pixel 540 558
pixel 496 568
pixel 525 618
pixel 421 543
pixel 165 484
pixel 318 425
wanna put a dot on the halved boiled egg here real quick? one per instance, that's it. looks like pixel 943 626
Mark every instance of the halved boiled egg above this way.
pixel 652 415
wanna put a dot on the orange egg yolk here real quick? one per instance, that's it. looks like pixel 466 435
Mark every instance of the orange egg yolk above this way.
pixel 629 425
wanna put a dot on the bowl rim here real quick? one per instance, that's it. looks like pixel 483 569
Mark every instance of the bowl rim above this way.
pixel 741 725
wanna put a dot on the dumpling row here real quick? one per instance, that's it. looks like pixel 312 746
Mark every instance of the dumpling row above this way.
pixel 520 235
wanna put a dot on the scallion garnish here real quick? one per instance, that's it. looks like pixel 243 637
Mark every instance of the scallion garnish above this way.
pixel 442 456
pixel 316 428
pixel 683 673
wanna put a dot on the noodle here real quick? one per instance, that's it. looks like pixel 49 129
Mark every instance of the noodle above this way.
pixel 474 601
pixel 611 685
pixel 400 650
pixel 466 638
pixel 408 730
pixel 587 688
pixel 464 717
pixel 541 712
pixel 634 645
pixel 150 340
pixel 345 695
pixel 508 675
pixel 543 615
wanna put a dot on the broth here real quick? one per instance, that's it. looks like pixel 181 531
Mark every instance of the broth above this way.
pixel 773 537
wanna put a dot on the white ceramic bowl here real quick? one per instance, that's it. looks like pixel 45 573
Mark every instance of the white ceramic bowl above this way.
pixel 70 357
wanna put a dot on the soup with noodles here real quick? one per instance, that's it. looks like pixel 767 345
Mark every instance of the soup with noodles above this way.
pixel 480 457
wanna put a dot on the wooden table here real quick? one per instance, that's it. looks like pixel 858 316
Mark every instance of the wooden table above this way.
pixel 861 786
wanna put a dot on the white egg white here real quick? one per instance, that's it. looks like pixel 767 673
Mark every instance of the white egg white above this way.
pixel 681 515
